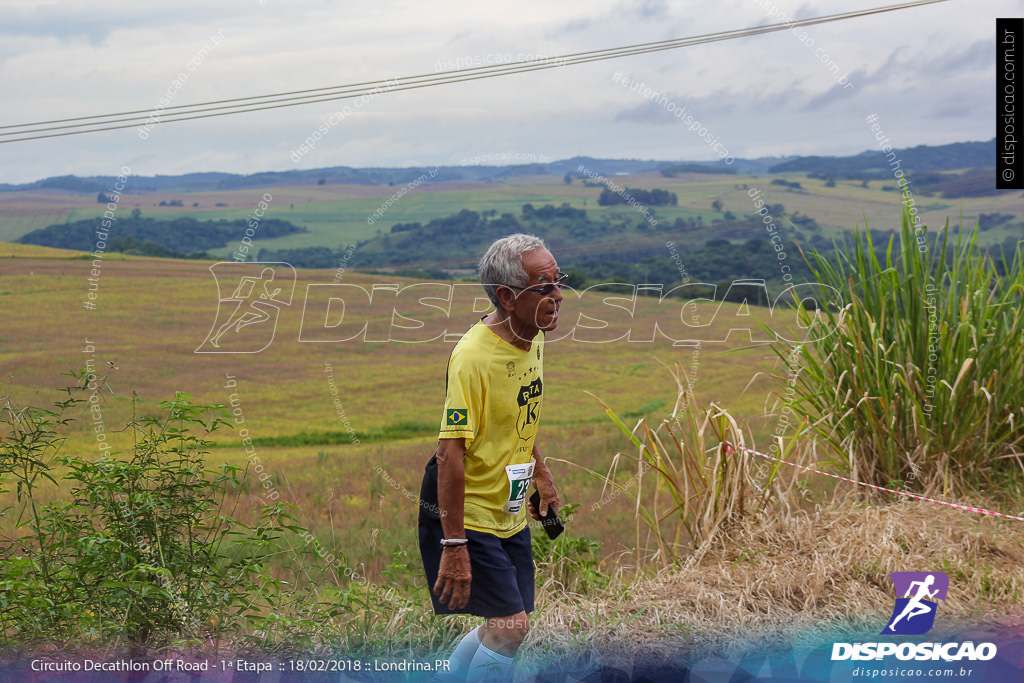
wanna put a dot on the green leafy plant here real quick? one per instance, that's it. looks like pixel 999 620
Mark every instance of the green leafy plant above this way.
pixel 142 554
pixel 570 561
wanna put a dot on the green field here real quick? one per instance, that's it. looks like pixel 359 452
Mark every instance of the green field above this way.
pixel 152 314
pixel 336 215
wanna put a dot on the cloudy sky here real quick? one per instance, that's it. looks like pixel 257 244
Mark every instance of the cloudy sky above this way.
pixel 927 73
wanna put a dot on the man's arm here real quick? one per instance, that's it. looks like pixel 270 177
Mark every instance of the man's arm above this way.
pixel 545 484
pixel 454 575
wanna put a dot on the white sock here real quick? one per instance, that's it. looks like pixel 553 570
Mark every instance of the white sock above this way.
pixel 488 665
pixel 462 656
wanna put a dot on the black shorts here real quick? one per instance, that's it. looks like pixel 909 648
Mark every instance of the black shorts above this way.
pixel 502 583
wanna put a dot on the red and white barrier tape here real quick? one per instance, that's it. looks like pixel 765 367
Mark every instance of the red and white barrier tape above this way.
pixel 730 448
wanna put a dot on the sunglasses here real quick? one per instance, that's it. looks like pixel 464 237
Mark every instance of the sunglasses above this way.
pixel 546 288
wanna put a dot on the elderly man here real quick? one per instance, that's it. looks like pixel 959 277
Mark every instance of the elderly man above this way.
pixel 473 532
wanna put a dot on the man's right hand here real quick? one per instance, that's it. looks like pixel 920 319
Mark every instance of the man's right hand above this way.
pixel 453 577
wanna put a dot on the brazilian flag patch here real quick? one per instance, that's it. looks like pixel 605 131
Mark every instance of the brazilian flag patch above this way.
pixel 456 416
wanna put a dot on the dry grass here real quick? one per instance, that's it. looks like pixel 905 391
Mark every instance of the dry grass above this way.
pixel 794 580
pixel 698 486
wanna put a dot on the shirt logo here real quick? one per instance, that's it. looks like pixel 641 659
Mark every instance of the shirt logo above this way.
pixel 529 399
pixel 456 416
pixel 914 612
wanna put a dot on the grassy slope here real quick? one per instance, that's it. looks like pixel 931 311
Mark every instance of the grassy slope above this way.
pixel 152 314
pixel 10 250
pixel 826 572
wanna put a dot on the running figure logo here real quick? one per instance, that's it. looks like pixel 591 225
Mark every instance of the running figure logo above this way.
pixel 247 318
pixel 914 612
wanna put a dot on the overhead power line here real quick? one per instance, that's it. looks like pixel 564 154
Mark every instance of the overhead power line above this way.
pixel 130 119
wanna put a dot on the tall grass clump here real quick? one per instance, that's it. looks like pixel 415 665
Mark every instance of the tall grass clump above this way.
pixel 685 483
pixel 920 383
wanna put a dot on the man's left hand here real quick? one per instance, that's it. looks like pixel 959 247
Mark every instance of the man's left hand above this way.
pixel 545 484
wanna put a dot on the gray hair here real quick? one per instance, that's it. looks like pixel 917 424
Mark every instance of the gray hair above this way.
pixel 502 264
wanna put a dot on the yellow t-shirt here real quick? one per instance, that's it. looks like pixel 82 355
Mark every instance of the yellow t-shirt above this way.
pixel 493 401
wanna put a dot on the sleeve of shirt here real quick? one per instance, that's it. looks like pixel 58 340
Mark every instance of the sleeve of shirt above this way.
pixel 463 404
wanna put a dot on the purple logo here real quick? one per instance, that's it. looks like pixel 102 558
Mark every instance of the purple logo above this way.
pixel 916 595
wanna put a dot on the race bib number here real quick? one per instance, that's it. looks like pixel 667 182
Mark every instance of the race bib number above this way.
pixel 519 477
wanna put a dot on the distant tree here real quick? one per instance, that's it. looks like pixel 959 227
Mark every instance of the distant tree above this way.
pixel 322 181
pixel 655 197
pixel 805 222
pixel 405 227
pixel 195 204
pixel 102 198
pixel 716 205
pixel 177 237
pixel 306 257
pixel 672 171
pixel 567 179
pixel 576 279
pixel 609 198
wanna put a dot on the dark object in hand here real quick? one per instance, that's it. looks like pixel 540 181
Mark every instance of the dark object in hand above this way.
pixel 552 524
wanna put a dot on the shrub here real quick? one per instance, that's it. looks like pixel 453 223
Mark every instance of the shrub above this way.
pixel 142 557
